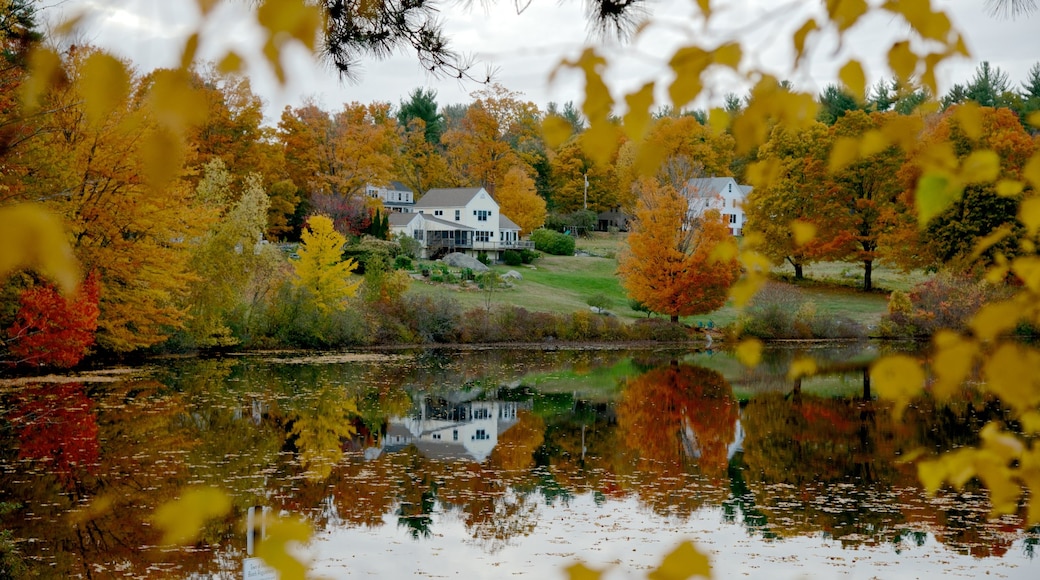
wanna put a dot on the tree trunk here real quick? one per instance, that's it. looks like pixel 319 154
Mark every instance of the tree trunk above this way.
pixel 675 319
pixel 867 267
pixel 866 384
pixel 798 272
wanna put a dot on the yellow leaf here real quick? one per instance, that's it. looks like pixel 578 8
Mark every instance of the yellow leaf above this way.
pixel 705 6
pixel 729 55
pixel 843 151
pixel 1030 421
pixel 580 571
pixel 648 158
pixel 801 366
pixel 175 102
pixel 34 238
pixel 853 78
pixel 724 251
pixel 902 60
pixel 70 24
pixel 161 154
pixel 1029 214
pixel 45 72
pixel 685 561
pixel 1009 187
pixel 556 131
pixel 182 519
pixel 803 232
pixel 953 361
pixel 637 118
pixel 845 13
pixel 762 174
pixel 191 47
pixel 106 85
pixel 989 241
pixel 969 117
pixel 800 37
pixel 929 24
pixel 872 142
pixel 1004 491
pixel 687 63
pixel 718 120
pixel 1010 373
pixel 994 319
pixel 745 289
pixel 981 167
pixel 932 475
pixel 903 130
pixel 1033 119
pixel 935 192
pixel 898 378
pixel 231 63
pixel 1031 171
pixel 274 548
pixel 296 18
pixel 1027 268
pixel 749 352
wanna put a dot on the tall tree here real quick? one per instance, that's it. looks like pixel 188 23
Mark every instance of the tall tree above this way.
pixel 798 193
pixel 868 189
pixel 477 152
pixel 321 273
pixel 422 105
pixel 519 201
pixel 669 264
pixel 420 165
pixel 52 330
pixel 835 101
pixel 97 171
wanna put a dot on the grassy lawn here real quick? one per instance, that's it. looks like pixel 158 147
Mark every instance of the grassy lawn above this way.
pixel 563 284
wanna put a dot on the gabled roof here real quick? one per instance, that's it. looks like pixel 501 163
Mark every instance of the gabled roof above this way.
pixel 452 197
pixel 711 186
pixel 400 219
pixel 505 223
pixel 398 186
pixel 445 224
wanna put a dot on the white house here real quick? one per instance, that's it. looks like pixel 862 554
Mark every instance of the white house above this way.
pixel 720 193
pixel 459 220
pixel 452 430
pixel 396 197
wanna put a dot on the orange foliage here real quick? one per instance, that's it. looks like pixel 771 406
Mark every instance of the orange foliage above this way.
pixel 669 264
pixel 51 330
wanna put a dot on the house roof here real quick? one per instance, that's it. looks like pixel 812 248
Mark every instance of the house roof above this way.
pixel 445 224
pixel 398 186
pixel 711 186
pixel 505 223
pixel 400 220
pixel 452 197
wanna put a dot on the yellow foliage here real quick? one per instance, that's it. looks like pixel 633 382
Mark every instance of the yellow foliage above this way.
pixel 182 519
pixel 685 561
pixel 749 352
pixel 898 378
pixel 320 270
pixel 33 238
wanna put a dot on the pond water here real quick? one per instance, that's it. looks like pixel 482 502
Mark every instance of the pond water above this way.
pixel 492 463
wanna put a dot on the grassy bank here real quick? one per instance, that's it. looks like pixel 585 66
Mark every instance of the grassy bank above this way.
pixel 563 284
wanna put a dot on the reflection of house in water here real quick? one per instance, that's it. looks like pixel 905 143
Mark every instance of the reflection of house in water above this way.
pixel 444 429
pixel 692 446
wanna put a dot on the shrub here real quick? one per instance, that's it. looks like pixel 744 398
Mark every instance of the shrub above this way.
pixel 552 242
pixel 945 301
pixel 599 301
pixel 403 262
pixel 367 249
pixel 512 258
pixel 409 246
pixel 639 307
pixel 771 313
pixel 528 255
pixel 482 257
pixel 659 329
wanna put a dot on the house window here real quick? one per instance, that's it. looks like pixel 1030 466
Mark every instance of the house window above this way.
pixel 483 236
pixel 436 435
pixel 417 234
pixel 458 215
pixel 482 214
pixel 455 434
pixel 481 435
pixel 734 203
pixel 732 218
pixel 481 414
pixel 438 212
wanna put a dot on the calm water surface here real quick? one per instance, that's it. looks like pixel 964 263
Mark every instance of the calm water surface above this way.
pixel 490 464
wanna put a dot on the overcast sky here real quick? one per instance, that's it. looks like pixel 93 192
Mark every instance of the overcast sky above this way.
pixel 524 48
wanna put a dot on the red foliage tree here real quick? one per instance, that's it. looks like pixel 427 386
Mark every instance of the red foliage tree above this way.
pixel 52 330
pixel 56 423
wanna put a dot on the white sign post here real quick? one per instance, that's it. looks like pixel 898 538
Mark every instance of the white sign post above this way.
pixel 255 568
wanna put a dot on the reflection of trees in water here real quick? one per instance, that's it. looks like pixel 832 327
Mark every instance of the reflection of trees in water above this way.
pixel 831 465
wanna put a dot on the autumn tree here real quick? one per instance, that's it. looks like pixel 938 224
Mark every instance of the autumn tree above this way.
pixel 798 194
pixel 227 256
pixel 669 264
pixel 421 165
pixel 321 274
pixel 867 188
pixel 51 329
pixel 982 210
pixel 570 167
pixel 477 152
pixel 518 200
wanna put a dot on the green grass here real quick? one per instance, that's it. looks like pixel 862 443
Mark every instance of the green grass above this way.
pixel 564 284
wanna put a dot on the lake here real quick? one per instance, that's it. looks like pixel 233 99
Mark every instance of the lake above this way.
pixel 491 463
